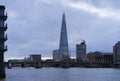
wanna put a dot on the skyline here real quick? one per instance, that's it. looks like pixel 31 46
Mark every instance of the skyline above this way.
pixel 31 30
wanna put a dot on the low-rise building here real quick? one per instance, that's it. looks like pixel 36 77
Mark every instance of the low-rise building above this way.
pixel 99 59
pixel 35 57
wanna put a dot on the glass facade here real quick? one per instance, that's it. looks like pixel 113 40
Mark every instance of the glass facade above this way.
pixel 1 23
pixel 63 48
pixel 1 11
pixel 116 52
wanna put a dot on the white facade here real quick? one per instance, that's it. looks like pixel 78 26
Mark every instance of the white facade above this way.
pixel 56 55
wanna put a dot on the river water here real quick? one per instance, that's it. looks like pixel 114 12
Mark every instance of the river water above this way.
pixel 63 74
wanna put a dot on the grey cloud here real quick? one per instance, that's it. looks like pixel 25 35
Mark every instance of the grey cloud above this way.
pixel 34 27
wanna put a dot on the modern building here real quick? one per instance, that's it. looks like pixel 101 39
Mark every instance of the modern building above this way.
pixel 116 53
pixel 63 47
pixel 81 51
pixel 56 55
pixel 34 57
pixel 3 38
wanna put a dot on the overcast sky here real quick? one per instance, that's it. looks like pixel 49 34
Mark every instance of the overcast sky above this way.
pixel 34 25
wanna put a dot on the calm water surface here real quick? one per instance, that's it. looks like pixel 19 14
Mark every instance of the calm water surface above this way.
pixel 59 74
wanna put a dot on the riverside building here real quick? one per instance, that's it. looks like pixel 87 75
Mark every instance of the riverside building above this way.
pixel 81 51
pixel 56 55
pixel 116 53
pixel 62 53
pixel 63 47
pixel 3 38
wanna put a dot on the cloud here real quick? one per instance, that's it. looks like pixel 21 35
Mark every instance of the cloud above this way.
pixel 101 12
pixel 12 14
pixel 35 26
pixel 43 1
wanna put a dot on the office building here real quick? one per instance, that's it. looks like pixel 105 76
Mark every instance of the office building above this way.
pixel 116 53
pixel 34 57
pixel 63 47
pixel 56 55
pixel 81 51
pixel 100 57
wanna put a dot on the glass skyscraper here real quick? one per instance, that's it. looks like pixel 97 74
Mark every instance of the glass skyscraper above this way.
pixel 63 47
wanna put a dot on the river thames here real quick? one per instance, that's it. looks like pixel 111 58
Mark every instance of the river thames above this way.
pixel 62 74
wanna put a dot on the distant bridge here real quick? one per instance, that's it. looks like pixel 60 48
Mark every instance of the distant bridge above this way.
pixel 58 64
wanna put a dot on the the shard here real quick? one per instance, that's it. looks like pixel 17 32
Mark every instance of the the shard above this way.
pixel 63 47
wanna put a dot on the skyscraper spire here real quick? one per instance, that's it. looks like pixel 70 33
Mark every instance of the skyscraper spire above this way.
pixel 63 47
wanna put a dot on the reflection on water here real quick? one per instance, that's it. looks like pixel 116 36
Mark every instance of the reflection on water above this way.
pixel 59 74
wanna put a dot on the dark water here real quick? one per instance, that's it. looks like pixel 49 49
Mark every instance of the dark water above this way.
pixel 59 74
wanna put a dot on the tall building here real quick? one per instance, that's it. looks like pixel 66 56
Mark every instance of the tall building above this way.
pixel 116 53
pixel 56 55
pixel 3 38
pixel 81 51
pixel 63 47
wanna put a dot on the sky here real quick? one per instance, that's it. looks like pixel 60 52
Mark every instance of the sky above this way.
pixel 34 25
